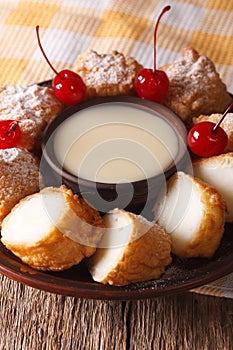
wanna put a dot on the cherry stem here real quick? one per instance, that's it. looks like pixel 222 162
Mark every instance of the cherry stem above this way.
pixel 221 119
pixel 42 50
pixel 165 9
pixel 13 126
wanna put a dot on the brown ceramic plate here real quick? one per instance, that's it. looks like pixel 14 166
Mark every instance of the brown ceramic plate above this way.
pixel 180 276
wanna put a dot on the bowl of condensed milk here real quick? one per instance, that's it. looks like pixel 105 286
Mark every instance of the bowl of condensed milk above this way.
pixel 115 152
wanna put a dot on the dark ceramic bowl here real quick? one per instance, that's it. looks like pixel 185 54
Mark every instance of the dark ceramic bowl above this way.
pixel 106 196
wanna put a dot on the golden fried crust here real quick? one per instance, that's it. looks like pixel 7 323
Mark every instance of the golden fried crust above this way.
pixel 195 87
pixel 227 125
pixel 19 177
pixel 90 234
pixel 57 255
pixel 143 259
pixel 33 106
pixel 107 74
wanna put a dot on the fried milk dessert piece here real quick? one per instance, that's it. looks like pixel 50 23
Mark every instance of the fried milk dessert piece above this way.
pixel 33 106
pixel 195 87
pixel 217 171
pixel 52 229
pixel 131 250
pixel 226 124
pixel 107 74
pixel 19 177
pixel 193 214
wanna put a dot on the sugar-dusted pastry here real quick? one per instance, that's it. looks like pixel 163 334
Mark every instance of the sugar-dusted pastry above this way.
pixel 218 172
pixel 52 229
pixel 19 177
pixel 195 87
pixel 193 213
pixel 33 106
pixel 226 124
pixel 131 249
pixel 107 74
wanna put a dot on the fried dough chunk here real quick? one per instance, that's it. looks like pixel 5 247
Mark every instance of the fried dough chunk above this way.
pixel 193 214
pixel 19 177
pixel 52 229
pixel 108 74
pixel 195 87
pixel 132 249
pixel 33 107
pixel 217 171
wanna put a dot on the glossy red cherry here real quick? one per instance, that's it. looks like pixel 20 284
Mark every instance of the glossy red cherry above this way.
pixel 204 142
pixel 10 133
pixel 152 84
pixel 207 139
pixel 67 85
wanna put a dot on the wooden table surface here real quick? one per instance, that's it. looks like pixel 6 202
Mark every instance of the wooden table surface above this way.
pixel 36 320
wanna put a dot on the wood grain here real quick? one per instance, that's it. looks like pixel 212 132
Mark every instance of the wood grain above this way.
pixel 36 320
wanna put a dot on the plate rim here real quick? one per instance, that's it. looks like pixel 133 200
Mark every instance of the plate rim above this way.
pixel 15 269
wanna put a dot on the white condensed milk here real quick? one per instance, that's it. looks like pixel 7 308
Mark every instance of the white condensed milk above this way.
pixel 115 143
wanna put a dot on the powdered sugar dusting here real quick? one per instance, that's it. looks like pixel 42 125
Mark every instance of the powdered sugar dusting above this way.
pixel 107 74
pixel 9 155
pixel 195 87
pixel 106 69
pixel 32 106
pixel 19 177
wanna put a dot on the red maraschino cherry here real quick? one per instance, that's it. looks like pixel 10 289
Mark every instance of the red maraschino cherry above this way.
pixel 68 86
pixel 207 139
pixel 152 84
pixel 10 133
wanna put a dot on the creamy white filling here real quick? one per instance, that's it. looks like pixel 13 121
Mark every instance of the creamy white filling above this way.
pixel 34 218
pixel 116 237
pixel 221 178
pixel 180 212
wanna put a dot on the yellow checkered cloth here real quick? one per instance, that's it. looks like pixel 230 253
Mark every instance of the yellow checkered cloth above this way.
pixel 70 27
